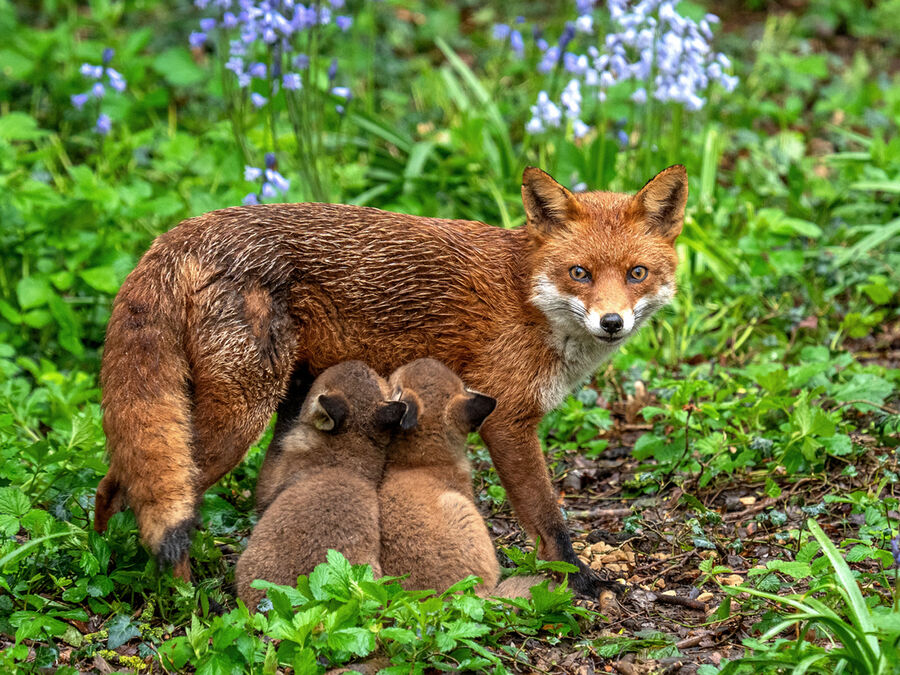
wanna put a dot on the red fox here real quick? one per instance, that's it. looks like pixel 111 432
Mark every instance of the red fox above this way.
pixel 230 315
pixel 430 527
pixel 325 491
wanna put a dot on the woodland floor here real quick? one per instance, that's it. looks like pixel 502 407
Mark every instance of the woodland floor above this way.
pixel 660 563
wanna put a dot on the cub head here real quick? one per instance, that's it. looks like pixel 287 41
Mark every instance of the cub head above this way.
pixel 347 400
pixel 603 262
pixel 441 412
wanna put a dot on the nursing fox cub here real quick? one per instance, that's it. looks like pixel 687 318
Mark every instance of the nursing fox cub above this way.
pixel 421 522
pixel 230 316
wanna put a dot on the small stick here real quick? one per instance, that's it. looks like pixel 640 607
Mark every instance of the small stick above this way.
pixel 681 602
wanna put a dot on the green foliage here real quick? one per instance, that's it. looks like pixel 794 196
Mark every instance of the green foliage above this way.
pixel 767 364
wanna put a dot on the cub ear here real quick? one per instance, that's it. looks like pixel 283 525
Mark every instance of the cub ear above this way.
pixel 329 411
pixel 477 407
pixel 547 203
pixel 662 200
pixel 391 414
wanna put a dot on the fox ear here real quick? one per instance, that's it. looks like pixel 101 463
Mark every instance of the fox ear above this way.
pixel 476 407
pixel 662 200
pixel 390 414
pixel 547 203
pixel 329 411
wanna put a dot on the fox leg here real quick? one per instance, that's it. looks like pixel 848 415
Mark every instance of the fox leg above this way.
pixel 519 460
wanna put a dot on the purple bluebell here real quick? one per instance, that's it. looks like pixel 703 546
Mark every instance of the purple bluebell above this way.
pixel 257 70
pixel 343 22
pixel 895 551
pixel 517 43
pixel 501 31
pixel 78 100
pixel 332 70
pixel 292 81
pixel 116 81
pixel 104 124
pixel 196 39
pixel 229 20
pixel 301 62
pixel 268 191
pixel 584 24
pixel 280 183
pixel 98 90
pixel 207 24
pixel 580 129
pixel 270 160
pixel 340 109
pixel 250 199
pixel 342 92
pixel 258 100
pixel 251 173
pixel 93 72
pixel 107 55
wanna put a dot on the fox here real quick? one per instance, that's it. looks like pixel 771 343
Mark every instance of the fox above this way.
pixel 324 495
pixel 229 316
pixel 431 529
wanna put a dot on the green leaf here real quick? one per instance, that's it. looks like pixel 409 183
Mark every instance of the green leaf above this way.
pixel 103 279
pixel 33 292
pixel 178 68
pixel 121 630
pixel 17 126
pixel 402 636
pixel 358 641
pixel 13 502
pixel 793 569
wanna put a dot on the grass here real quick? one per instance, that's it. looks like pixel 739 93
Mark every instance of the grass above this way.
pixel 774 376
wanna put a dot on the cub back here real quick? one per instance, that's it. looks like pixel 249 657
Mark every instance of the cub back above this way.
pixel 323 490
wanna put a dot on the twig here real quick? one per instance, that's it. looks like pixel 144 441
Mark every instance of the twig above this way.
pixel 599 513
pixel 693 641
pixel 884 408
pixel 680 601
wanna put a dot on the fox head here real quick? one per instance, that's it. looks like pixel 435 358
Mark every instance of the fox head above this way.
pixel 602 262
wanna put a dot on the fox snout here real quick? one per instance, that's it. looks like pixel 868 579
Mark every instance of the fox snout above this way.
pixel 610 326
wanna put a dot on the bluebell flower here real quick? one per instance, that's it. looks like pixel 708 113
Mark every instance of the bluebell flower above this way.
pixel 517 43
pixel 107 55
pixel 292 81
pixel 342 92
pixel 235 64
pixel 895 551
pixel 257 70
pixel 207 24
pixel 98 90
pixel 93 72
pixel 337 4
pixel 251 173
pixel 258 100
pixel 343 22
pixel 278 181
pixel 301 62
pixel 584 24
pixel 639 96
pixel 78 100
pixel 229 20
pixel 104 124
pixel 571 99
pixel 268 191
pixel 622 137
pixel 116 81
pixel 580 129
pixel 501 31
pixel 339 109
pixel 196 39
pixel 270 160
pixel 332 70
pixel 250 199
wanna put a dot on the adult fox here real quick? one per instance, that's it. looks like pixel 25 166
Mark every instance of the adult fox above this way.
pixel 230 315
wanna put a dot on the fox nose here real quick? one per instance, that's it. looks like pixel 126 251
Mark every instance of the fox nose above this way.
pixel 611 323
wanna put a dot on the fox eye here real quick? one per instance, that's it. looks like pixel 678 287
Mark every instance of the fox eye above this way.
pixel 578 273
pixel 637 274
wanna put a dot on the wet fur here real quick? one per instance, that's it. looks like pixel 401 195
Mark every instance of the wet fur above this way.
pixel 224 310
pixel 323 489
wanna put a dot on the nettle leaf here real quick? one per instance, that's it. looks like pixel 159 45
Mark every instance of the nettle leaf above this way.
pixel 358 641
pixel 121 630
pixel 795 569
pixel 864 387
pixel 469 605
pixel 216 664
pixel 402 636
pixel 13 502
pixel 838 445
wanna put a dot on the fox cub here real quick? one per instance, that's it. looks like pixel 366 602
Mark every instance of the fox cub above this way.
pixel 430 528
pixel 325 491
pixel 231 315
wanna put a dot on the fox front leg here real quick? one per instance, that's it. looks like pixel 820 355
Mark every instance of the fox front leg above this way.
pixel 519 460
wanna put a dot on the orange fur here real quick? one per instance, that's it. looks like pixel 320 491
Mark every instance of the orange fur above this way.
pixel 230 312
